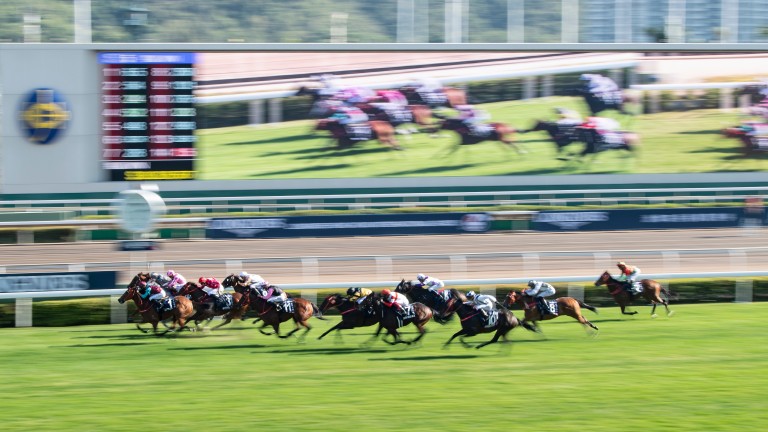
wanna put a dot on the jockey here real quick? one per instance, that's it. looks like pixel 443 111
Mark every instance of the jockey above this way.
pixel 247 279
pixel 154 293
pixel 482 302
pixel 474 119
pixel 211 286
pixel 628 275
pixel 598 84
pixel 159 279
pixel 538 290
pixel 607 128
pixel 272 294
pixel 353 119
pixel 430 90
pixel 431 283
pixel 355 95
pixel 390 299
pixel 331 84
pixel 393 97
pixel 358 294
pixel 176 282
pixel 568 117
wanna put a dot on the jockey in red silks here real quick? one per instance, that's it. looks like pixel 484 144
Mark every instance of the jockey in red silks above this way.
pixel 390 299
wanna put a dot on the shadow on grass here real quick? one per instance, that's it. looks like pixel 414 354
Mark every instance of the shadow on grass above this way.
pixel 432 169
pixel 335 351
pixel 284 139
pixel 115 344
pixel 303 169
pixel 428 357
pixel 218 347
pixel 702 132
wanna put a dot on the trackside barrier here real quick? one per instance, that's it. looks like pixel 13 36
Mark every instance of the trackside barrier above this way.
pixel 575 289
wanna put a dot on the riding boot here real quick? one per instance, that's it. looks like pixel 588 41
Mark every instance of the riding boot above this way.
pixel 543 308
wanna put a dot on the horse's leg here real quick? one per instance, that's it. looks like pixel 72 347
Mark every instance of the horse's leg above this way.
pixel 339 326
pixel 261 329
pixel 495 338
pixel 227 319
pixel 375 335
pixel 458 333
pixel 422 332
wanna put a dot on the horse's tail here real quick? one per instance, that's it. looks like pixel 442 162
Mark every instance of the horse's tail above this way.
pixel 317 313
pixel 586 306
pixel 668 293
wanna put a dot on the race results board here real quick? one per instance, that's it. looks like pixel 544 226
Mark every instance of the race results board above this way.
pixel 148 116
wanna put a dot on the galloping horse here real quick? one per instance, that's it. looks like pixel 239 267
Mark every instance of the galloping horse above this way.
pixel 453 96
pixel 630 141
pixel 420 115
pixel 391 321
pixel 751 141
pixel 651 292
pixel 351 316
pixel 303 310
pixel 497 132
pixel 561 135
pixel 207 308
pixel 440 306
pixel 598 104
pixel 181 313
pixel 472 323
pixel 380 130
pixel 568 306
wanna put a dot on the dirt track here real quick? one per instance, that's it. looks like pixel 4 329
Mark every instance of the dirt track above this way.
pixel 359 259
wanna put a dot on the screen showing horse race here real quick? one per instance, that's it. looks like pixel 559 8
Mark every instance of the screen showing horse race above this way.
pixel 278 115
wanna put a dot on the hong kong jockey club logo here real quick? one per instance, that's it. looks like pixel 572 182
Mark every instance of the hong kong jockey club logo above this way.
pixel 44 115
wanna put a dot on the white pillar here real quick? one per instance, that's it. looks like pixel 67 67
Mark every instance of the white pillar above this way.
pixel 275 110
pixel 83 21
pixel 569 21
pixel 675 28
pixel 516 21
pixel 118 313
pixel 256 112
pixel 729 21
pixel 622 30
pixel 23 312
pixel 453 21
pixel 406 21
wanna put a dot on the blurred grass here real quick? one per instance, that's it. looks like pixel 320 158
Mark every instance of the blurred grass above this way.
pixel 672 142
pixel 703 370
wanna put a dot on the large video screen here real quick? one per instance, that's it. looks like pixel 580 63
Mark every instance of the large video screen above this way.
pixel 283 115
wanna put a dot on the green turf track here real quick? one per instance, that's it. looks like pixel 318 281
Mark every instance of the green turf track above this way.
pixel 672 142
pixel 704 369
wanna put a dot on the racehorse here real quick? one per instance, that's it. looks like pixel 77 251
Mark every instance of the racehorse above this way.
pixel 380 130
pixel 442 309
pixel 562 135
pixel 391 321
pixel 453 96
pixel 567 306
pixel 497 132
pixel 594 142
pixel 420 115
pixel 651 291
pixel 750 141
pixel 181 313
pixel 303 310
pixel 351 315
pixel 600 103
pixel 207 308
pixel 473 323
